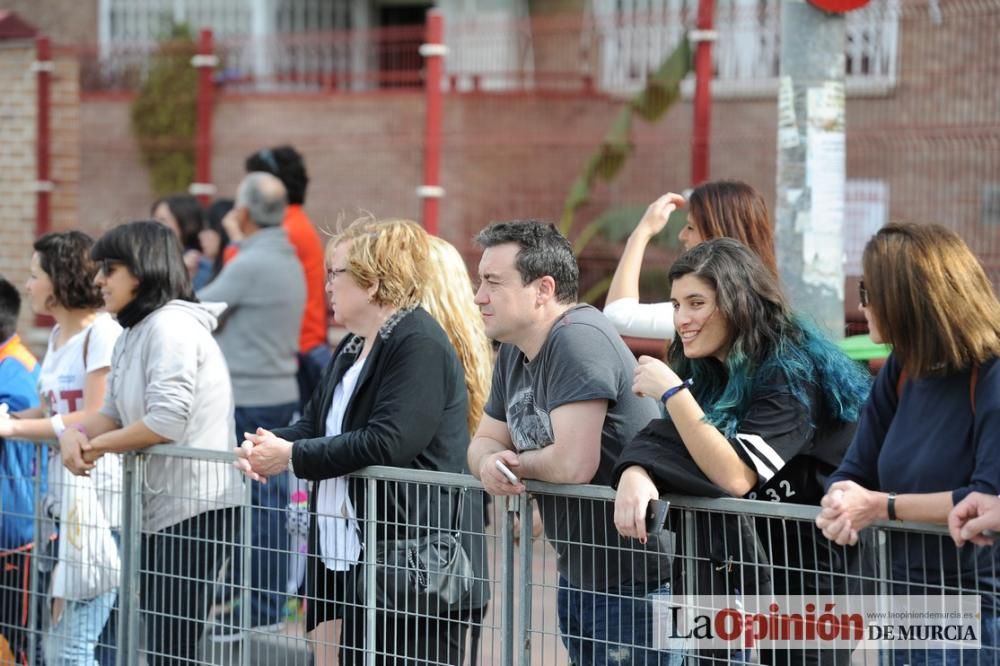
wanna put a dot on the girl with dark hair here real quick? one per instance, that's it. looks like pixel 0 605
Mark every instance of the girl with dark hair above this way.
pixel 183 215
pixel 214 240
pixel 72 385
pixel 929 431
pixel 718 209
pixel 168 384
pixel 765 409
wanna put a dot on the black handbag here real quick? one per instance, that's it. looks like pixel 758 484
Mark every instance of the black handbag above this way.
pixel 429 575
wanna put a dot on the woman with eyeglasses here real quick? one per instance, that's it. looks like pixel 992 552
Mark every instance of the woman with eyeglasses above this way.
pixel 929 435
pixel 759 405
pixel 168 385
pixel 72 385
pixel 717 209
pixel 394 394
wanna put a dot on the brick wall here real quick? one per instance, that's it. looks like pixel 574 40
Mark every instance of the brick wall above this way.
pixel 18 164
pixel 17 161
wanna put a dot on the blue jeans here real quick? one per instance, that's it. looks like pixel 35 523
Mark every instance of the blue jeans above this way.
pixel 269 554
pixel 611 627
pixel 988 654
pixel 72 640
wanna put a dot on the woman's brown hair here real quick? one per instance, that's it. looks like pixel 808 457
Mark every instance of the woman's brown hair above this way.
pixel 733 209
pixel 931 299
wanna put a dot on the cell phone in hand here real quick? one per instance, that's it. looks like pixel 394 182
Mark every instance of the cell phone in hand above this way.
pixel 506 472
pixel 656 516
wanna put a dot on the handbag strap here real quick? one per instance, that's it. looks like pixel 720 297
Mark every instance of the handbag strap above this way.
pixel 456 525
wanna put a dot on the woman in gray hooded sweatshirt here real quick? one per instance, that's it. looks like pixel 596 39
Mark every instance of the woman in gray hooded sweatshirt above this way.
pixel 168 385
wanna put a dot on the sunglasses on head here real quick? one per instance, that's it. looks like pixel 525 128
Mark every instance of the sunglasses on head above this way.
pixel 268 157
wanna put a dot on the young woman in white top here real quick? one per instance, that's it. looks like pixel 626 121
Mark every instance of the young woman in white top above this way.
pixel 71 384
pixel 717 209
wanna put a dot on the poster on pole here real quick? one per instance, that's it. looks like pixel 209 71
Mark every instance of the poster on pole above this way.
pixel 826 144
pixel 866 210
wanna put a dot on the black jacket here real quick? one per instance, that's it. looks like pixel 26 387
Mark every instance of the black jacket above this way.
pixel 408 410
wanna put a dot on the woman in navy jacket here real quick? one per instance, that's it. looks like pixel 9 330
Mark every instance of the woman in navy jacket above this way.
pixel 930 432
pixel 395 395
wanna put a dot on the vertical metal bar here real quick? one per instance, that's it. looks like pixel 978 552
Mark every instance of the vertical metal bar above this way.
pixel 433 52
pixel 507 600
pixel 131 557
pixel 371 511
pixel 690 554
pixel 203 141
pixel 246 566
pixel 702 94
pixel 44 74
pixel 43 186
pixel 527 550
pixel 882 544
pixel 36 552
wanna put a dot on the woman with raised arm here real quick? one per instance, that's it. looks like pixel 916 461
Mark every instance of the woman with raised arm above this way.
pixel 72 385
pixel 929 435
pixel 718 209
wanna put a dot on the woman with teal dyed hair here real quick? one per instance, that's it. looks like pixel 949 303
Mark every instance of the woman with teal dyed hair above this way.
pixel 759 405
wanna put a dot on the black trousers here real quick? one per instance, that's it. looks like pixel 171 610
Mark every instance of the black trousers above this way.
pixel 179 567
pixel 404 638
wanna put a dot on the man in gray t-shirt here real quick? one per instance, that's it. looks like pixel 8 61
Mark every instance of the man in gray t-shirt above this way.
pixel 561 408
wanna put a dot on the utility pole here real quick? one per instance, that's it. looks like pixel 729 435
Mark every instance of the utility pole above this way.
pixel 812 166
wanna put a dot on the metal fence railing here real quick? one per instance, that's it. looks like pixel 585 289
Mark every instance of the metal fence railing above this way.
pixel 187 582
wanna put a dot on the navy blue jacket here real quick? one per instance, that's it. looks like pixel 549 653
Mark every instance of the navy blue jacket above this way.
pixel 925 438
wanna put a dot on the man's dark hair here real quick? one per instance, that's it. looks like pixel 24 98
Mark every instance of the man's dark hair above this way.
pixel 10 308
pixel 286 163
pixel 152 253
pixel 65 258
pixel 544 251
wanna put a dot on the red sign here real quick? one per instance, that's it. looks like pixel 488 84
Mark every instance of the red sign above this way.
pixel 838 6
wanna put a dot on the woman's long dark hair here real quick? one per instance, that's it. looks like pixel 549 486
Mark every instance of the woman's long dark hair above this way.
pixel 189 215
pixel 766 337
pixel 152 253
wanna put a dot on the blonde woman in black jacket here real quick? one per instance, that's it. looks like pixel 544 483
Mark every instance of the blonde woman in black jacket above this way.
pixel 395 395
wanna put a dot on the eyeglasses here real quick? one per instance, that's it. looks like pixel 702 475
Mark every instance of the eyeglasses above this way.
pixel 332 273
pixel 862 294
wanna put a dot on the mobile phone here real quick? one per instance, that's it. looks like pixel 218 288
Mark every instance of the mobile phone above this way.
pixel 506 472
pixel 656 516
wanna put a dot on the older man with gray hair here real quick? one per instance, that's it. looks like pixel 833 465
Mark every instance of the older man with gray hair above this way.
pixel 264 290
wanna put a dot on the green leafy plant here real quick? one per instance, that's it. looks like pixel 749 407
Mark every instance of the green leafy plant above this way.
pixel 662 90
pixel 164 113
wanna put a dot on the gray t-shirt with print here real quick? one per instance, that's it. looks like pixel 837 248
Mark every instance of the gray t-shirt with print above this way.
pixel 583 358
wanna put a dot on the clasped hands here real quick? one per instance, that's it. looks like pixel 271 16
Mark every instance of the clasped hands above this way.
pixel 262 454
pixel 847 508
pixel 79 455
